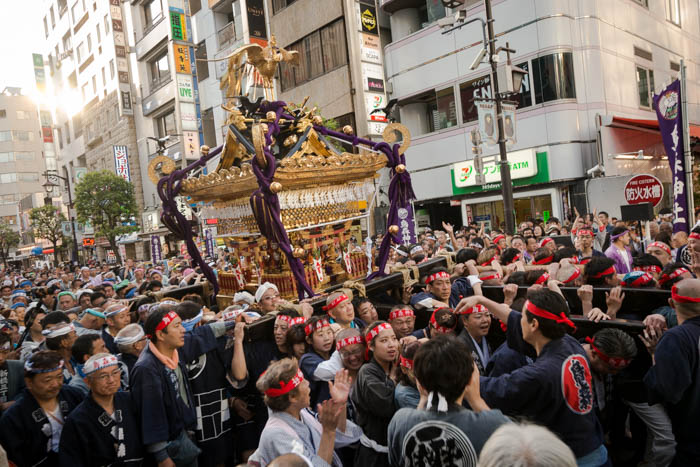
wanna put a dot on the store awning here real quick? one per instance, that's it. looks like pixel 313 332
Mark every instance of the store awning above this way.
pixel 47 251
pixel 649 125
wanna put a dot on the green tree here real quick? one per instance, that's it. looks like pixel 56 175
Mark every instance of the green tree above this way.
pixel 107 202
pixel 8 240
pixel 46 223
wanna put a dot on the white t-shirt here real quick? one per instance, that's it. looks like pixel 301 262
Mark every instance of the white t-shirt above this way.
pixel 56 421
pixel 626 257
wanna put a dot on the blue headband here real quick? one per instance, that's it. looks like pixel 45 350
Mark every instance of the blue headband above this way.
pixel 94 312
pixel 191 323
pixel 29 367
pixel 23 283
pixel 17 305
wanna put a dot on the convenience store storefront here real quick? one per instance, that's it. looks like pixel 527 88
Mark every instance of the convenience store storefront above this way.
pixel 534 196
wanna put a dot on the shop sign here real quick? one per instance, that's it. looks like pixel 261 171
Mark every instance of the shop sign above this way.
pixel 376 128
pixel 182 59
pixel 644 189
pixel 188 115
pixel 369 48
pixel 375 84
pixel 177 24
pixel 375 101
pixel 255 10
pixel 373 72
pixel 368 19
pixel 191 138
pixel 121 162
pixel 523 164
pixel 184 88
pixel 487 121
pixel 156 251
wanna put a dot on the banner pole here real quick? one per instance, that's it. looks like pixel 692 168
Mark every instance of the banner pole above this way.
pixel 687 153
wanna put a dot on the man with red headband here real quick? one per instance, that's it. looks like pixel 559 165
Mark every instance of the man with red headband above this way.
pixel 437 289
pixel 159 386
pixel 661 251
pixel 339 308
pixel 674 380
pixel 585 237
pixel 476 322
pixel 403 320
pixel 557 389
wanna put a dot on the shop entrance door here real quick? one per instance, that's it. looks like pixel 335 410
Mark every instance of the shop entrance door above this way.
pixel 525 207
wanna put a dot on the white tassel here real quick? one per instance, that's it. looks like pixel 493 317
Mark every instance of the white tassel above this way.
pixel 442 402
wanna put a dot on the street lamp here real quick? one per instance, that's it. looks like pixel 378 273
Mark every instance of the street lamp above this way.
pixel 49 185
pixel 515 76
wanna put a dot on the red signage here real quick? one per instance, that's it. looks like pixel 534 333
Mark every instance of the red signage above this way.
pixel 644 189
pixel 211 221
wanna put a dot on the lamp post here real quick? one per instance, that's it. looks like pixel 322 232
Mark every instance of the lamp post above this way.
pixel 49 185
pixel 516 75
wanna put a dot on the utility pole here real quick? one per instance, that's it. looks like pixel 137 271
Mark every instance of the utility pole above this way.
pixel 506 184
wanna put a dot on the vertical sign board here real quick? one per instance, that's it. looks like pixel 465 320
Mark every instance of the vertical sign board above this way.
pixel 39 73
pixel 255 12
pixel 182 59
pixel 115 11
pixel 185 90
pixel 121 162
pixel 177 24
pixel 373 84
pixel 156 250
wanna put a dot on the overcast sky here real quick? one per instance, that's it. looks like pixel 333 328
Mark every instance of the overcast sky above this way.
pixel 21 34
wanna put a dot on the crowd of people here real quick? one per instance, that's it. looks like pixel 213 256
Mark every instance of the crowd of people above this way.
pixel 97 368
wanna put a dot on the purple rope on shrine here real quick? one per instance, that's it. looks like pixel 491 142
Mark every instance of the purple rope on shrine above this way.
pixel 168 188
pixel 266 205
pixel 400 189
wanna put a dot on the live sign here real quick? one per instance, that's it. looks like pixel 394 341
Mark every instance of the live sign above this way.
pixel 644 189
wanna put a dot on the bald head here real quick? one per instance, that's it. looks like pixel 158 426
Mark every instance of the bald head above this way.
pixel 689 288
pixel 289 460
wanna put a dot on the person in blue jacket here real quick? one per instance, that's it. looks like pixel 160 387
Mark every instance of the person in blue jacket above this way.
pixel 162 395
pixel 103 429
pixel 674 379
pixel 30 429
pixel 556 390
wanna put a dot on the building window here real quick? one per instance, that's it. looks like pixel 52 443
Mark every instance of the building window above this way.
pixel 554 77
pixel 443 109
pixel 7 157
pixel 645 86
pixel 675 66
pixel 97 31
pixel 111 69
pixel 3 113
pixel 89 43
pixel 81 52
pixel 104 77
pixel 67 128
pixel 160 71
pixel 165 125
pixel 46 27
pixel 28 177
pixel 23 115
pixel 67 45
pixel 62 8
pixel 480 88
pixel 319 53
pixel 24 155
pixel 84 91
pixel 53 17
pixel 94 84
pixel 152 13
pixel 673 11
pixel 5 136
pixel 106 24
pixel 278 5
pixel 644 3
pixel 59 137
pixel 195 6
pixel 20 135
pixel 200 53
pixel 8 178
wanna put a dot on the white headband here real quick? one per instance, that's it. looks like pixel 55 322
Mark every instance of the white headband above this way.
pixel 264 288
pixel 129 340
pixel 245 297
pixel 58 331
pixel 115 309
pixel 93 365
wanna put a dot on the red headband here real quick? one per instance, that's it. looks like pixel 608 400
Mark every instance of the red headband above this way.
pixel 286 387
pixel 292 320
pixel 545 260
pixel 348 341
pixel 488 263
pixel 660 245
pixel 335 302
pixel 585 260
pixel 542 279
pixel 406 362
pixel 681 298
pixel 606 272
pixel 374 332
pixel 668 277
pixel 652 268
pixel 615 362
pixel 573 276
pixel 545 241
pixel 542 313
pixel 694 235
pixel 168 318
pixel 437 275
pixel 478 308
pixel 313 327
pixel 491 277
pixel 402 313
pixel 515 258
pixel 498 238
pixel 640 280
pixel 439 328
pixel 580 232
